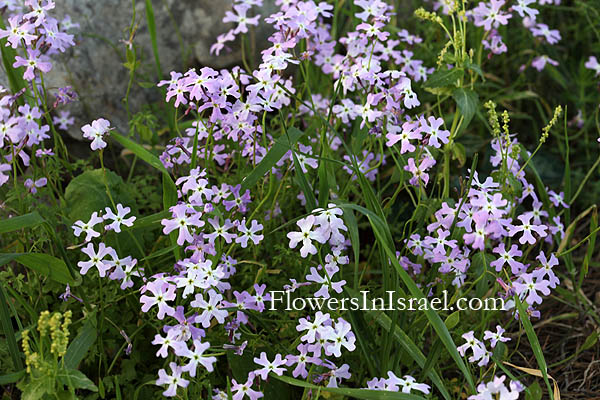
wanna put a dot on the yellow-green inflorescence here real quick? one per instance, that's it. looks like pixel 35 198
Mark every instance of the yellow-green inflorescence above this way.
pixel 52 328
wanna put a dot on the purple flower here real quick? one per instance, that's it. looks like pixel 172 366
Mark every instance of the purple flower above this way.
pixel 275 366
pixel 172 381
pixel 306 235
pixel 420 175
pixel 162 292
pixel 197 356
pixel 241 390
pixel 182 221
pixel 96 259
pixel 95 132
pixel 17 32
pixel 489 15
pixel 35 60
pixel 526 227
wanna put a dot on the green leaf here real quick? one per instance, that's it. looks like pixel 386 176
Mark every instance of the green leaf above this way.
pixel 534 392
pixel 76 379
pixel 467 102
pixel 44 264
pixel 11 378
pixel 79 347
pixel 86 193
pixel 452 320
pixel 364 394
pixel 282 145
pixel 36 388
pixel 445 77
pixel 20 222
pixel 474 67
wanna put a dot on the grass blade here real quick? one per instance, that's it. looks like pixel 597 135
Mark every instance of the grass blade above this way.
pixel 364 394
pixel 534 342
pixel 20 222
pixel 152 31
pixel 44 264
pixel 8 330
pixel 282 145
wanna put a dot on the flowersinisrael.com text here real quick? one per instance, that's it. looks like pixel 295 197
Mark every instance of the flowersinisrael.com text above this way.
pixel 390 302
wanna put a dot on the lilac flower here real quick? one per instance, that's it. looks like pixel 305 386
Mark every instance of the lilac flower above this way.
pixel 221 230
pixel 96 259
pixel 197 356
pixel 489 15
pixel 33 186
pixel 523 8
pixel 593 64
pixel 17 31
pixel 239 201
pixel 249 233
pixel 162 292
pixel 473 344
pixel 211 308
pixel 4 177
pixel 171 341
pixel 182 221
pixel 331 224
pixel 260 297
pixel 547 265
pixel 276 366
pixel 95 132
pixel 496 389
pixel 432 128
pixel 306 235
pixel 118 218
pixel 336 374
pixel 244 389
pixel 410 130
pixel 539 63
pixel 35 60
pixel 526 229
pixel 65 95
pixel 124 270
pixel 65 296
pixel 406 385
pixel 420 175
pixel 64 120
pixel 301 360
pixel 516 267
pixel 340 335
pixel 375 8
pixel 552 36
pixel 529 284
pixel 219 45
pixel 172 381
pixel 326 281
pixel 558 199
pixel 240 18
pixel 185 329
pixel 495 337
pixel 312 327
